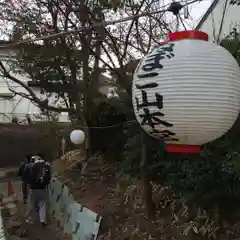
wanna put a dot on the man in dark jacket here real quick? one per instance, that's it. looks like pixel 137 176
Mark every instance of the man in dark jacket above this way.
pixel 21 173
pixel 39 181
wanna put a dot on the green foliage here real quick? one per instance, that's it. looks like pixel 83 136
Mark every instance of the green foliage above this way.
pixel 131 155
pixel 109 119
pixel 55 65
pixel 51 131
pixel 209 179
pixel 232 44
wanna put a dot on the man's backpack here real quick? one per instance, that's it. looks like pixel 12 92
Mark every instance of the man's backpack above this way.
pixel 40 172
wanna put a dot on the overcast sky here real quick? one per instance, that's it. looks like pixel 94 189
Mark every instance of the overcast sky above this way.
pixel 198 9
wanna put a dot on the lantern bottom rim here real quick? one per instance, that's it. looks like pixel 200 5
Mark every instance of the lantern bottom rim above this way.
pixel 181 148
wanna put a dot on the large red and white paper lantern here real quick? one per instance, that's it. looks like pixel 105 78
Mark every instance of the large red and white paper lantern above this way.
pixel 187 91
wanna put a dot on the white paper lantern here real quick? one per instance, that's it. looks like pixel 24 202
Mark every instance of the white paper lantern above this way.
pixel 77 136
pixel 187 91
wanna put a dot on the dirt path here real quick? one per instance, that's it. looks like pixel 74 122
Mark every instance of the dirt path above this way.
pixel 16 228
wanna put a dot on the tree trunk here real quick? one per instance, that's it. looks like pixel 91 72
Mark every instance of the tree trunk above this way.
pixel 147 194
pixel 86 101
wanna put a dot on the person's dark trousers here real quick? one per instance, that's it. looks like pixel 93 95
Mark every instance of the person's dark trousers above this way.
pixel 25 191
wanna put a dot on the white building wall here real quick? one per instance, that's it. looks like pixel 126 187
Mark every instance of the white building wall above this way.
pixel 230 18
pixel 5 105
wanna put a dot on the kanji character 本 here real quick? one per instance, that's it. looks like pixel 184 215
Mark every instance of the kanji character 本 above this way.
pixel 145 103
pixel 152 119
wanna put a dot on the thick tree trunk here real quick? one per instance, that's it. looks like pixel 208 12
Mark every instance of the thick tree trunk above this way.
pixel 86 101
pixel 126 82
pixel 147 194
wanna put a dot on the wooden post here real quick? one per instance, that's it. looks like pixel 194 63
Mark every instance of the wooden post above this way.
pixel 147 194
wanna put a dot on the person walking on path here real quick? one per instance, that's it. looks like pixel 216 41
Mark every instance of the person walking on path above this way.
pixel 39 180
pixel 21 173
pixel 26 176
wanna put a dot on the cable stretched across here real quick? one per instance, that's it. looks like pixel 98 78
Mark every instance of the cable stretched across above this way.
pixel 82 127
pixel 82 29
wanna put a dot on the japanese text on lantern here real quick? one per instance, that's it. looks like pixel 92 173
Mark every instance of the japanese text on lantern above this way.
pixel 152 62
pixel 149 117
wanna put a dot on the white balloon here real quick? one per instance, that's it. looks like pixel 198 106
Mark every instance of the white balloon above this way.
pixel 77 136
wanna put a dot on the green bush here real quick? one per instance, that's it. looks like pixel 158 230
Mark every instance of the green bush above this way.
pixel 208 179
pixel 109 120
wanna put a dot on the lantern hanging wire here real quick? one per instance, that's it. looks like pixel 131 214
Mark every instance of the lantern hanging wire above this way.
pixel 173 7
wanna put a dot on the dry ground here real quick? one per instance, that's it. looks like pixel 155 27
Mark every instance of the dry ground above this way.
pixel 118 200
pixel 16 228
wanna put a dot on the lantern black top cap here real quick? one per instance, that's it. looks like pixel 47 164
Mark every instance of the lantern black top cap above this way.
pixel 191 34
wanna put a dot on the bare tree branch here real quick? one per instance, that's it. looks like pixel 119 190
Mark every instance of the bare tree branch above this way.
pixel 34 98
